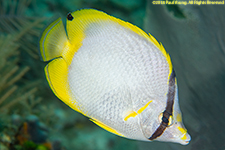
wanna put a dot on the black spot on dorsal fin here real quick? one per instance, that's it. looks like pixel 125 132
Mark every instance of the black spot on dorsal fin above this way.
pixel 69 17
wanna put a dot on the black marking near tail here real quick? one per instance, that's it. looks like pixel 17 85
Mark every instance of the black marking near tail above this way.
pixel 69 17
pixel 169 108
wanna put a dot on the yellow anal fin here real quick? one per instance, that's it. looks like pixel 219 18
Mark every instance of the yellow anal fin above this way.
pixel 53 41
pixel 57 73
pixel 107 128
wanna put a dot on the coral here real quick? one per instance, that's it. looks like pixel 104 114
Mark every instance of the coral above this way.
pixel 16 35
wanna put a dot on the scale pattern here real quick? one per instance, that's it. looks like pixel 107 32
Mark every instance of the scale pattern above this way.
pixel 116 71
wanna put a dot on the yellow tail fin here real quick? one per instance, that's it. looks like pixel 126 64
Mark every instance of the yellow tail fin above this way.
pixel 53 41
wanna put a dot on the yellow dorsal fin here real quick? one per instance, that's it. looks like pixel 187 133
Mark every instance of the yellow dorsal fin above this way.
pixel 56 73
pixel 79 21
pixel 53 41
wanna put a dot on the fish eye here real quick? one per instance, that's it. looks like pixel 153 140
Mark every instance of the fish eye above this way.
pixel 170 119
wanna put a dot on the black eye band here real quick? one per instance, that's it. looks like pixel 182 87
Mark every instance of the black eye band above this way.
pixel 169 108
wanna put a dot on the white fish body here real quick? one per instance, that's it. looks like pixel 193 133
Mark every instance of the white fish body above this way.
pixel 114 73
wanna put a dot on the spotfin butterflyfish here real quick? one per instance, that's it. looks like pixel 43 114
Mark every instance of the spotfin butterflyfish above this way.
pixel 115 74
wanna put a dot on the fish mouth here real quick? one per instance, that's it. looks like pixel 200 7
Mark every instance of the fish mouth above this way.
pixel 186 138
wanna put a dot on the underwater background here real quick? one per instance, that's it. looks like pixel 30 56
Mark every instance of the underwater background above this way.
pixel 32 118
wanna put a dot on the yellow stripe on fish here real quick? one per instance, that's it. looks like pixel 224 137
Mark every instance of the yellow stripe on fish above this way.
pixel 134 114
pixel 104 67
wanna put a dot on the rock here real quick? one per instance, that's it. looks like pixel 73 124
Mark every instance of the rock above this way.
pixel 37 130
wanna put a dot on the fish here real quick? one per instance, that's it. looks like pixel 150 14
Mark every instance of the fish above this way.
pixel 114 73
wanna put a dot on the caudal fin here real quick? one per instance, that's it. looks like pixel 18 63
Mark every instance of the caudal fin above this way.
pixel 53 41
